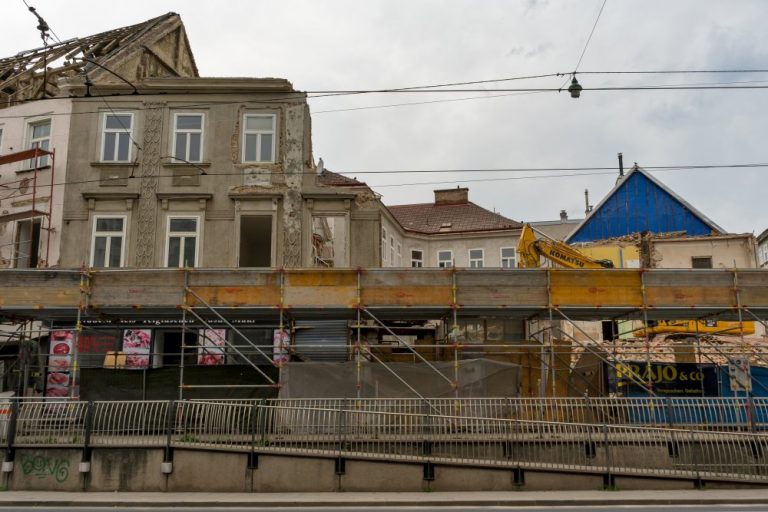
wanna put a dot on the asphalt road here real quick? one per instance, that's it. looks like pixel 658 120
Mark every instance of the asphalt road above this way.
pixel 626 508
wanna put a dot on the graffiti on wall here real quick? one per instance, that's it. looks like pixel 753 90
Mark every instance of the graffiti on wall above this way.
pixel 45 467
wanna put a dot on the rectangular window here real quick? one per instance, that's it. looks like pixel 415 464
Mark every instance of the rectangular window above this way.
pixel 27 243
pixel 188 137
pixel 329 241
pixel 417 258
pixel 701 262
pixel 476 258
pixel 258 138
pixel 392 250
pixel 508 257
pixel 444 259
pixel 39 136
pixel 255 241
pixel 384 250
pixel 108 241
pixel 182 242
pixel 399 255
pixel 116 137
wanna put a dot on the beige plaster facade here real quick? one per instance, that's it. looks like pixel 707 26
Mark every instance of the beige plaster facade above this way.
pixel 270 213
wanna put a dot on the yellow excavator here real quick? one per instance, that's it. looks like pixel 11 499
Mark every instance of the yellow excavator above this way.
pixel 530 250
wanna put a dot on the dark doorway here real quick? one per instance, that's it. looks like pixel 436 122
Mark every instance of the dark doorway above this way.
pixel 28 243
pixel 255 241
pixel 172 348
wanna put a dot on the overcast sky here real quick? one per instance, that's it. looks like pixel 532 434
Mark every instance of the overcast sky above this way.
pixel 367 44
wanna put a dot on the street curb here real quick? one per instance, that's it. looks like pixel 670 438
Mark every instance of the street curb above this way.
pixel 390 503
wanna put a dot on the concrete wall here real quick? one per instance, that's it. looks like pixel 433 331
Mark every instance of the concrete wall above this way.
pixel 139 469
pixel 726 252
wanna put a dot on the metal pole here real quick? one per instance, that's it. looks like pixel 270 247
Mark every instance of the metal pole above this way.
pixel 648 372
pixel 184 306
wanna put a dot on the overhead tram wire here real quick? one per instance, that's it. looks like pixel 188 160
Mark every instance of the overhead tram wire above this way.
pixel 597 171
pixel 591 33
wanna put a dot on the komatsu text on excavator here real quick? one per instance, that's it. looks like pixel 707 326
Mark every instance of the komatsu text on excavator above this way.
pixel 531 249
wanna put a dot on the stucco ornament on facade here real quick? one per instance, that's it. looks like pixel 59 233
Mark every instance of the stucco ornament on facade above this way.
pixel 150 169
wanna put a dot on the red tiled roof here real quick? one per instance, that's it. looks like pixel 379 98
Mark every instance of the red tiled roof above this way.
pixel 334 179
pixel 429 218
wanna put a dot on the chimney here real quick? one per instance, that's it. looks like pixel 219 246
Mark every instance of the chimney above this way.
pixel 586 200
pixel 452 196
pixel 563 216
pixel 621 165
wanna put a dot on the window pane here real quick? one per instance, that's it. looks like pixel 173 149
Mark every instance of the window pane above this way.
pixel 41 130
pixel 189 122
pixel 181 146
pixel 507 252
pixel 250 148
pixel 266 147
pixel 194 147
pixel 174 245
pixel 109 224
pixel 259 123
pixel 115 246
pixel 118 122
pixel 99 251
pixel 476 254
pixel 444 255
pixel 123 147
pixel 109 146
pixel 184 225
pixel 189 252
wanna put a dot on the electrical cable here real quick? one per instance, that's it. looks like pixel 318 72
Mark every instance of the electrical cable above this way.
pixel 590 37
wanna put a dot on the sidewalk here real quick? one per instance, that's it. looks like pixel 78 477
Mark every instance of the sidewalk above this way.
pixel 359 499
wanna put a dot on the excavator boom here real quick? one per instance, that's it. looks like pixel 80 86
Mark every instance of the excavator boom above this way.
pixel 530 249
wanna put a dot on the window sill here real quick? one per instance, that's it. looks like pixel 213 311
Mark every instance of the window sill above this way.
pixel 33 169
pixel 114 164
pixel 182 165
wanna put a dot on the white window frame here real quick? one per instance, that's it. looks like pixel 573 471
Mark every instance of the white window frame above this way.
pixel 417 262
pixel 399 255
pixel 384 248
pixel 188 131
pixel 41 161
pixel 513 258
pixel 392 250
pixel 183 235
pixel 117 132
pixel 440 262
pixel 258 141
pixel 109 235
pixel 476 262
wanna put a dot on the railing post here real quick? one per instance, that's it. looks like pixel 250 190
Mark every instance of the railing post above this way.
pixel 670 422
pixel 340 465
pixel 698 483
pixel 253 457
pixel 85 460
pixel 608 481
pixel 264 421
pixel 167 466
pixel 10 438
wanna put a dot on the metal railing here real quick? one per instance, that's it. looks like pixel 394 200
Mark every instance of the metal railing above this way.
pixel 515 433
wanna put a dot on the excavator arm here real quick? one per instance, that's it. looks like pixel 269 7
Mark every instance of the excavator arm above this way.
pixel 531 249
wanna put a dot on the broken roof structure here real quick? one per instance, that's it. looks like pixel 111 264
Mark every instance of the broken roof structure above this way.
pixel 639 203
pixel 155 48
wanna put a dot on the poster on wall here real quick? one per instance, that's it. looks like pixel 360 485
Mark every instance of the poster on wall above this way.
pixel 281 341
pixel 59 378
pixel 211 346
pixel 136 344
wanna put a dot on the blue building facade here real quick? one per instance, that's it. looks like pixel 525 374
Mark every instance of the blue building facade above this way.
pixel 641 203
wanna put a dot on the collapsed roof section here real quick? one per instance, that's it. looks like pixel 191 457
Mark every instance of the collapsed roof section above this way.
pixel 155 48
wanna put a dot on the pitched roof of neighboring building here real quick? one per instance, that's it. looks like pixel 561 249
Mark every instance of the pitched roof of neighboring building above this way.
pixel 429 218
pixel 557 229
pixel 762 236
pixel 21 75
pixel 334 179
pixel 639 202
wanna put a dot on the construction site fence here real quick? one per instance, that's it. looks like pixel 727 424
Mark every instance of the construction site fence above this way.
pixel 465 432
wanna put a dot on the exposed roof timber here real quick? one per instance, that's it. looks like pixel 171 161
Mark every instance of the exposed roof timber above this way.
pixel 34 74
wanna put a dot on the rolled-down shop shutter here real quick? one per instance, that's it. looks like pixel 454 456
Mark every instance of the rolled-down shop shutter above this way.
pixel 322 340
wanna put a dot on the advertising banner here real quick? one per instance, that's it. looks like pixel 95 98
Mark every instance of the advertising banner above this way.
pixel 667 379
pixel 136 345
pixel 59 378
pixel 281 342
pixel 211 346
